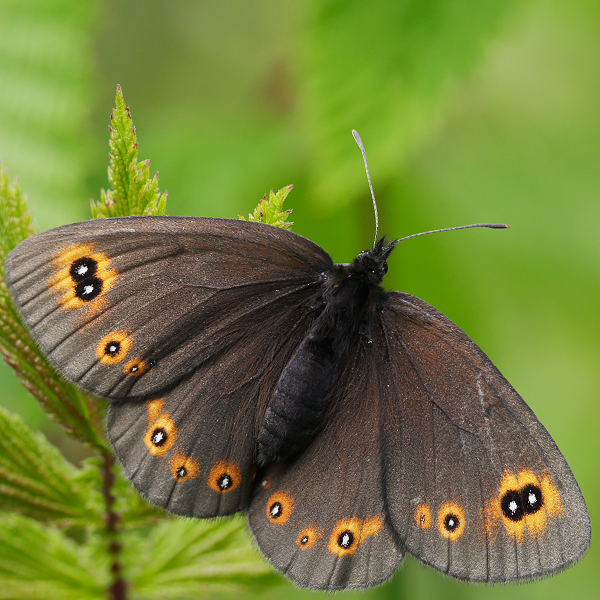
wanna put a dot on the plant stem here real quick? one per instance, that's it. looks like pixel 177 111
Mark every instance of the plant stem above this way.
pixel 118 588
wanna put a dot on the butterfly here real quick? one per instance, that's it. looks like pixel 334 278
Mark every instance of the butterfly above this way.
pixel 248 372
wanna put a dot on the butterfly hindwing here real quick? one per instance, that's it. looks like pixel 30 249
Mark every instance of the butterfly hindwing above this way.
pixel 322 519
pixel 127 307
pixel 476 486
pixel 192 450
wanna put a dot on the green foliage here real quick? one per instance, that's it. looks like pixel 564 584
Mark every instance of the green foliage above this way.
pixel 390 78
pixel 132 191
pixel 270 210
pixel 79 533
pixel 45 67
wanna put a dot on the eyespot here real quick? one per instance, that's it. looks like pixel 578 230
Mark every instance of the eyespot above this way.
pixel 265 482
pixel 524 504
pixel 113 348
pixel 423 516
pixel 451 521
pixel 136 367
pixel 80 276
pixel 161 435
pixel 224 477
pixel 344 537
pixel 308 537
pixel 279 507
pixel 183 467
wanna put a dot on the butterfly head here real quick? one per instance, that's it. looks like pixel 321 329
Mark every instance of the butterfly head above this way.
pixel 372 264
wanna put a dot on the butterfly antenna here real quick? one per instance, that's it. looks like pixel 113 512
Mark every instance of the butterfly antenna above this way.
pixel 490 225
pixel 364 154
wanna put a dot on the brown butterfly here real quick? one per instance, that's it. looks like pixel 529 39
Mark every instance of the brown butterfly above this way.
pixel 247 371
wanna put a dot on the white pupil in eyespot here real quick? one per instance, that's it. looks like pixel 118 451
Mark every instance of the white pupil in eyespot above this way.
pixel 512 507
pixel 532 498
pixel 88 289
pixel 158 437
pixel 275 510
pixel 112 348
pixel 82 269
pixel 346 540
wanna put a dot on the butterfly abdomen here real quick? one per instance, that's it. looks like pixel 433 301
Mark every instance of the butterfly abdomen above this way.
pixel 302 392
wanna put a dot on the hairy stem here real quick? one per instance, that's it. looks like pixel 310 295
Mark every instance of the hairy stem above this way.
pixel 118 588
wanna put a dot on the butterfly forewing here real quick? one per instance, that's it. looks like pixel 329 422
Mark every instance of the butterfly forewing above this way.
pixel 476 486
pixel 129 308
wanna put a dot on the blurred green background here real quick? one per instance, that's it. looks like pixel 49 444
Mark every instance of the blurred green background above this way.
pixel 470 111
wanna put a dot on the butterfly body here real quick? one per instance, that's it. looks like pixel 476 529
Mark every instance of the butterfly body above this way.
pixel 351 293
pixel 248 372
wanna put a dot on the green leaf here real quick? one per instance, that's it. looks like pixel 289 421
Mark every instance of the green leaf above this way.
pixel 35 479
pixel 270 210
pixel 188 559
pixel 38 562
pixel 385 68
pixel 133 191
pixel 67 405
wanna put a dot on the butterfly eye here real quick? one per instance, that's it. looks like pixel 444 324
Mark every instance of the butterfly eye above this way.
pixel 512 506
pixel 531 499
pixel 344 537
pixel 451 521
pixel 113 347
pixel 136 367
pixel 279 507
pixel 161 435
pixel 183 467
pixel 83 268
pixel 224 477
pixel 384 267
pixel 423 516
pixel 308 537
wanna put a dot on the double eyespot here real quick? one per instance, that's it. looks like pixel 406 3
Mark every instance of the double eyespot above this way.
pixel 80 277
pixel 524 505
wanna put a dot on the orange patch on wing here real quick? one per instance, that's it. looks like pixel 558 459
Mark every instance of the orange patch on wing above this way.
pixel 63 286
pixel 308 537
pixel 451 521
pixel 154 408
pixel 423 516
pixel 532 502
pixel 113 348
pixel 279 507
pixel 136 367
pixel 492 516
pixel 551 496
pixel 183 467
pixel 345 536
pixel 161 434
pixel 224 477
pixel 371 526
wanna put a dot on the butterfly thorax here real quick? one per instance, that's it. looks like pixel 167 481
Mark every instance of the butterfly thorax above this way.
pixel 304 388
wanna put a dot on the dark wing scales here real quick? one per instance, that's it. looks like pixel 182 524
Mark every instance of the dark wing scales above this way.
pixel 191 450
pixel 169 293
pixel 323 518
pixel 476 487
